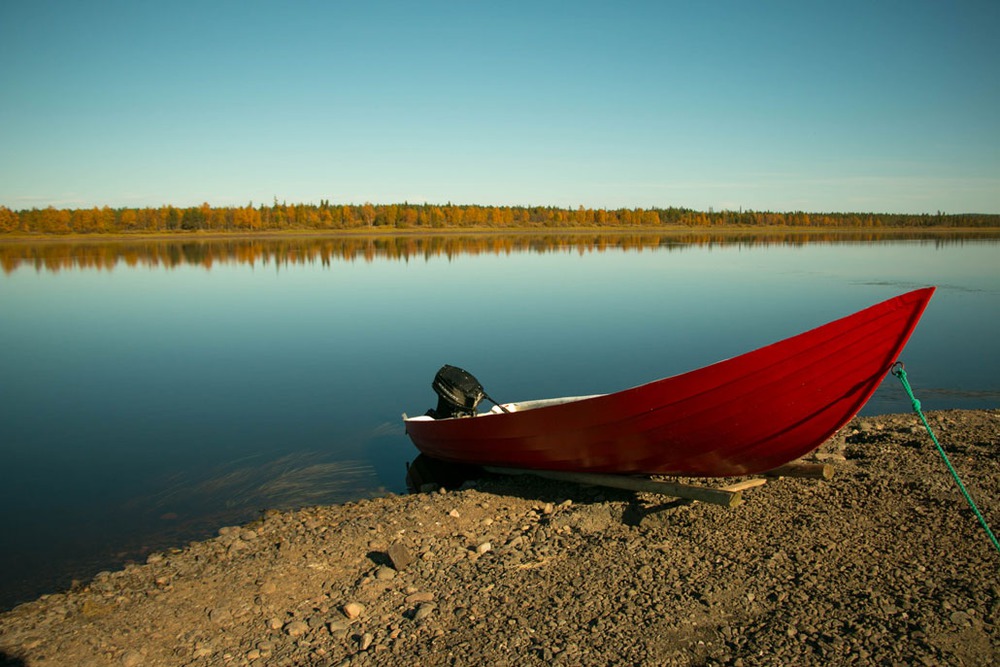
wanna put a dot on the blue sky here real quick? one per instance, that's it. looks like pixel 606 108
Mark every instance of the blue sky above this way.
pixel 839 106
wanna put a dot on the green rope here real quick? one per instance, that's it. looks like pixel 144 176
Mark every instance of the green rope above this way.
pixel 897 370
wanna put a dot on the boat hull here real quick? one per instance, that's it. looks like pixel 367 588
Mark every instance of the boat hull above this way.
pixel 745 415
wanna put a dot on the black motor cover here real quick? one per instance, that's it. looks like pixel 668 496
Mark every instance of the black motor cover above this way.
pixel 458 393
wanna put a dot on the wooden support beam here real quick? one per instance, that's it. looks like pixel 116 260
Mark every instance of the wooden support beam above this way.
pixel 723 497
pixel 746 484
pixel 803 469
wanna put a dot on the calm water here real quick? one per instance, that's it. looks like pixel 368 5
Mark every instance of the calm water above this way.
pixel 153 392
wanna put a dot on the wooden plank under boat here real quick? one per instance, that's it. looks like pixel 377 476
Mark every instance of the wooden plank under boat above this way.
pixel 745 415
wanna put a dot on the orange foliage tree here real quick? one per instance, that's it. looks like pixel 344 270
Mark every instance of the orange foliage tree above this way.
pixel 326 216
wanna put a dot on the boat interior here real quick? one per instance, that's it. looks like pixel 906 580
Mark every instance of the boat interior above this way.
pixel 519 406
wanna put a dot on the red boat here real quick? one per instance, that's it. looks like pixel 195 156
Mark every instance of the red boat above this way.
pixel 748 414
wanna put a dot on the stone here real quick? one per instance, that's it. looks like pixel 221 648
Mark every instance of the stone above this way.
pixel 385 573
pixel 365 641
pixel 400 556
pixel 132 659
pixel 353 609
pixel 959 618
pixel 423 611
pixel 220 616
pixel 337 627
pixel 416 598
pixel 588 520
pixel 296 628
pixel 237 545
pixel 483 548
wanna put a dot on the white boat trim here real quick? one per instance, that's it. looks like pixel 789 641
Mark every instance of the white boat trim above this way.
pixel 519 406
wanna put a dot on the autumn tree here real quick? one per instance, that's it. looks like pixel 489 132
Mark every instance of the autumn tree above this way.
pixel 9 221
pixel 368 214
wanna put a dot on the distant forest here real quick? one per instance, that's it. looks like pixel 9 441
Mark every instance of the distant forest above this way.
pixel 406 216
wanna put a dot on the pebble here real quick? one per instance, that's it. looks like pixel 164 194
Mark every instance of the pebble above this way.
pixel 296 628
pixel 221 616
pixel 959 618
pixel 416 598
pixel 423 611
pixel 400 556
pixel 353 609
pixel 132 659
pixel 337 627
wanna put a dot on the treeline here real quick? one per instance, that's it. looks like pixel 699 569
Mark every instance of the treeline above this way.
pixel 383 217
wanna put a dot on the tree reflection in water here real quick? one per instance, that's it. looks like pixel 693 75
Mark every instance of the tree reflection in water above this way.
pixel 56 255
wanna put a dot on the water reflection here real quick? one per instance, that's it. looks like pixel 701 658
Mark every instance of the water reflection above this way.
pixel 55 255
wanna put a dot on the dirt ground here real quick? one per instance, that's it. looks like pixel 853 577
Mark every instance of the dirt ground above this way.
pixel 884 564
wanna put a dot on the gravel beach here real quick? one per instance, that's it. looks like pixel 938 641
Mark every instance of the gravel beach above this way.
pixel 884 564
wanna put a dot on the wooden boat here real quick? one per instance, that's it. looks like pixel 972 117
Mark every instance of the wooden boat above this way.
pixel 748 414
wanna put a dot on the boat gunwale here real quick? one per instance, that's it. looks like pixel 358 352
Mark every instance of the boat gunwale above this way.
pixel 570 403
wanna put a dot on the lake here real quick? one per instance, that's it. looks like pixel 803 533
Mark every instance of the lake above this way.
pixel 154 391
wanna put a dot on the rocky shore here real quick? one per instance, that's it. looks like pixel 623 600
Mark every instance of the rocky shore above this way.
pixel 882 565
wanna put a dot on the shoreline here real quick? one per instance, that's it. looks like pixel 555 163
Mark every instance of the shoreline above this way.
pixel 881 564
pixel 666 230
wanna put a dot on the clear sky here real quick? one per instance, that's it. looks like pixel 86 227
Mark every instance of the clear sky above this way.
pixel 815 106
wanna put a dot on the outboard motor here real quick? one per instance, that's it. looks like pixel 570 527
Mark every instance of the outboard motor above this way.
pixel 459 393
